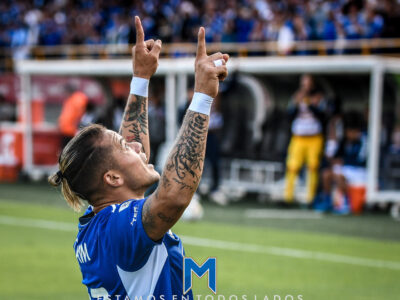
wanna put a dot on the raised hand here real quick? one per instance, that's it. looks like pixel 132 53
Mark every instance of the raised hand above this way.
pixel 207 74
pixel 145 54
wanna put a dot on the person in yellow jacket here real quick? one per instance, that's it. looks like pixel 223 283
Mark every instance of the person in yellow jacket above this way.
pixel 306 143
pixel 72 111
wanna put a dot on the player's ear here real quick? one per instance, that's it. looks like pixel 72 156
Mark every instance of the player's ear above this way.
pixel 113 178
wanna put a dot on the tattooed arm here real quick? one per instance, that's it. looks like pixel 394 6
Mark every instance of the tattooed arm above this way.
pixel 134 127
pixel 145 54
pixel 184 167
pixel 180 177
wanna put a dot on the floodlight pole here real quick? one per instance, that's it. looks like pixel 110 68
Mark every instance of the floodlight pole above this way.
pixel 27 121
pixel 182 89
pixel 374 128
pixel 170 108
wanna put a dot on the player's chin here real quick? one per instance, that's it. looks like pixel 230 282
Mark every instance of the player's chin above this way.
pixel 151 169
pixel 155 174
pixel 152 178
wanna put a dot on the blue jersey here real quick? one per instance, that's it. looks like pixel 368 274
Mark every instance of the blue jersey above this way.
pixel 119 261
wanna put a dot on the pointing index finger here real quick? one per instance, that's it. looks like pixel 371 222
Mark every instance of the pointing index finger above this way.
pixel 201 43
pixel 139 31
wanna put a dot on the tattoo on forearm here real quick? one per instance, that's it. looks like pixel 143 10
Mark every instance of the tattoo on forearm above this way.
pixel 135 119
pixel 131 138
pixel 187 157
pixel 183 170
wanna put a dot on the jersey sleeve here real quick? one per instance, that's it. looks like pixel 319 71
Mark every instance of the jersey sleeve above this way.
pixel 129 242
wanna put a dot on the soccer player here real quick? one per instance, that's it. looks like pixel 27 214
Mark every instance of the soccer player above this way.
pixel 125 247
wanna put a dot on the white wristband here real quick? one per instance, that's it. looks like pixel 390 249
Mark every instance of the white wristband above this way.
pixel 201 103
pixel 140 86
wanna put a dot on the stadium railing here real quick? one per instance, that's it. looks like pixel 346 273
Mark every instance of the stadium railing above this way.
pixel 270 48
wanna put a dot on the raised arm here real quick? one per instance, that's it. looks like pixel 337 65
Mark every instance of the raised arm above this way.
pixel 134 126
pixel 184 167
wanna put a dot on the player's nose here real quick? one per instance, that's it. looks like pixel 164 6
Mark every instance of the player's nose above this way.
pixel 137 147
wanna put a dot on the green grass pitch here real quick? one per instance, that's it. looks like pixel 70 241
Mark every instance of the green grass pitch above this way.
pixel 328 258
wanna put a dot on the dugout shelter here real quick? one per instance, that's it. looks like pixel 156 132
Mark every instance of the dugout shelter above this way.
pixel 176 73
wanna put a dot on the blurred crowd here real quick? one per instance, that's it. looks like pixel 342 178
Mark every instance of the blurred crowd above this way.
pixel 88 22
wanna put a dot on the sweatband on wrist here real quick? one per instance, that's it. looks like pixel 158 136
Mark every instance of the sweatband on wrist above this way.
pixel 140 86
pixel 201 103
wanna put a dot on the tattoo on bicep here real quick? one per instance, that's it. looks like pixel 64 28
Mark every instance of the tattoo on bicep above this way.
pixel 187 158
pixel 165 218
pixel 172 218
pixel 135 118
pixel 183 185
pixel 165 181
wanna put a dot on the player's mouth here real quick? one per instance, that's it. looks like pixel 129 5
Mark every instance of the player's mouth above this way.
pixel 143 156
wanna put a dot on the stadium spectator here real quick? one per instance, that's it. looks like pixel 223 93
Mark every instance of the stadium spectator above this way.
pixel 229 34
pixel 306 112
pixel 352 22
pixel 90 116
pixel 373 23
pixel 390 11
pixel 348 167
pixel 295 29
pixel 395 143
pixel 391 162
pixel 111 115
pixel 334 127
pixel 334 136
pixel 156 116
pixel 244 24
pixel 182 108
pixel 7 110
pixel 213 152
pixel 213 144
pixel 73 109
pixel 330 28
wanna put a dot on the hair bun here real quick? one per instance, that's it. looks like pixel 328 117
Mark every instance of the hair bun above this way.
pixel 56 178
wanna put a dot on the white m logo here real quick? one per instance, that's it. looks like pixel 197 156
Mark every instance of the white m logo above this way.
pixel 82 254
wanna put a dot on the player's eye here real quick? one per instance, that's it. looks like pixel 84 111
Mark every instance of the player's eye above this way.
pixel 124 145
